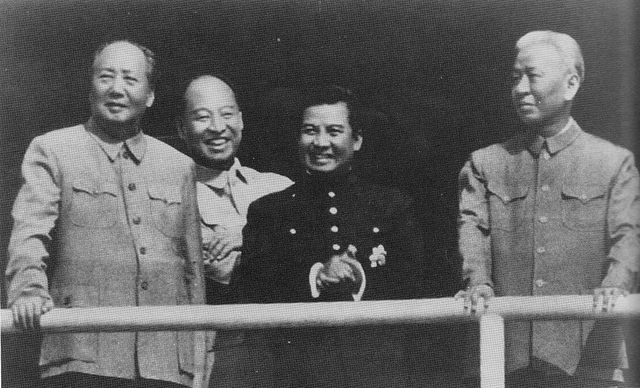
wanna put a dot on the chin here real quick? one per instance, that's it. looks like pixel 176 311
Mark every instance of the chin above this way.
pixel 324 168
pixel 115 120
pixel 528 119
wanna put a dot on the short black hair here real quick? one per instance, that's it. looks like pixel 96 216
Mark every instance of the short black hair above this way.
pixel 149 56
pixel 333 94
pixel 188 80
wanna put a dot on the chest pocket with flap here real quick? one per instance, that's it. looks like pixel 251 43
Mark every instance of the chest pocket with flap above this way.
pixel 94 204
pixel 584 206
pixel 507 206
pixel 166 209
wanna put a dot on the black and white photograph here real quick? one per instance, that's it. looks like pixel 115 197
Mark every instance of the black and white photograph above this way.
pixel 319 193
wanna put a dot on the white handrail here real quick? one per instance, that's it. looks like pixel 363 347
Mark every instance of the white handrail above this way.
pixel 256 316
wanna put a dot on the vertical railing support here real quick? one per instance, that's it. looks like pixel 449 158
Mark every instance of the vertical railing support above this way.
pixel 492 372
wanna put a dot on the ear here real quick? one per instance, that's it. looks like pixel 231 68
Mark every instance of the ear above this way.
pixel 573 84
pixel 180 127
pixel 240 120
pixel 150 98
pixel 358 143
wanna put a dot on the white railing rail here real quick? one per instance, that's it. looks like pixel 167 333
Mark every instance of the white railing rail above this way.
pixel 260 316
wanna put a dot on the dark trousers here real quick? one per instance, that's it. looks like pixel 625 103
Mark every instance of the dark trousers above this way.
pixel 83 380
pixel 531 378
pixel 319 358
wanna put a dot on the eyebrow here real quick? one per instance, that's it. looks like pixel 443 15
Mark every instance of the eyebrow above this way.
pixel 111 69
pixel 196 110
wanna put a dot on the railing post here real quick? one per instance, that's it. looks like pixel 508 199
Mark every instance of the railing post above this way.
pixel 492 372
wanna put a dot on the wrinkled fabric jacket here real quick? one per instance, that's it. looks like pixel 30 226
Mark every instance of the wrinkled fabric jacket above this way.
pixel 552 219
pixel 95 226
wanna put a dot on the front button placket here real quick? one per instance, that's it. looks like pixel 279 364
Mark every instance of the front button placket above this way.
pixel 546 221
pixel 137 209
pixel 332 226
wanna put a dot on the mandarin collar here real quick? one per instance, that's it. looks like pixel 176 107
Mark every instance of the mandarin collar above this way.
pixel 318 182
pixel 137 144
pixel 217 178
pixel 557 142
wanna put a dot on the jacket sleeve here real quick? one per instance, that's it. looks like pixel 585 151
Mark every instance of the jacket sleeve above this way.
pixel 35 212
pixel 623 224
pixel 268 272
pixel 474 238
pixel 193 254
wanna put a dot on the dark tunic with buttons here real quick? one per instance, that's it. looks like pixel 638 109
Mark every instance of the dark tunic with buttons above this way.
pixel 289 231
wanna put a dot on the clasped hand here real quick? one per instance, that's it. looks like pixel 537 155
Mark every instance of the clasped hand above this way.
pixel 340 271
pixel 218 252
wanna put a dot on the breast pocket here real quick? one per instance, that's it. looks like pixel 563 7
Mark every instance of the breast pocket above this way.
pixel 166 209
pixel 94 204
pixel 584 206
pixel 507 206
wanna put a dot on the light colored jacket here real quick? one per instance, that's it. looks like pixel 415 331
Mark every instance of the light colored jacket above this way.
pixel 561 223
pixel 98 227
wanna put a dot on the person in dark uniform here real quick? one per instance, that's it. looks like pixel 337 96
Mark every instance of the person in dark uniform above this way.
pixel 331 237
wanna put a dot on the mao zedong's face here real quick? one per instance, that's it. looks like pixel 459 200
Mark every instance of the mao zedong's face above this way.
pixel 212 122
pixel 121 91
pixel 540 87
pixel 327 142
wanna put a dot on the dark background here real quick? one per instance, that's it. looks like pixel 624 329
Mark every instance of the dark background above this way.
pixel 434 73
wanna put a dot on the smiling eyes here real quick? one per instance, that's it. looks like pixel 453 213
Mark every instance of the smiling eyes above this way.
pixel 313 130
pixel 106 77
pixel 206 117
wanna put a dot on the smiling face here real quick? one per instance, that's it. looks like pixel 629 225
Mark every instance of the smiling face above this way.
pixel 543 85
pixel 211 122
pixel 327 142
pixel 120 91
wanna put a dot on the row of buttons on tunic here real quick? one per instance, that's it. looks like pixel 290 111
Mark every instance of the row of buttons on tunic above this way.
pixel 334 228
pixel 136 221
pixel 543 219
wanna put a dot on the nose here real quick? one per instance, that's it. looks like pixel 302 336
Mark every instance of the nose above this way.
pixel 117 86
pixel 321 139
pixel 216 124
pixel 521 86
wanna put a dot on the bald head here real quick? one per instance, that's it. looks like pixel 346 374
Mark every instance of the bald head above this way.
pixel 209 88
pixel 211 121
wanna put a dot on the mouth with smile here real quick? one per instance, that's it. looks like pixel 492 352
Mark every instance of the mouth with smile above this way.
pixel 523 105
pixel 115 107
pixel 215 143
pixel 321 158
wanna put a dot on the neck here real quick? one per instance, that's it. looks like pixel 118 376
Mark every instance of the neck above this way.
pixel 329 176
pixel 117 132
pixel 224 165
pixel 552 128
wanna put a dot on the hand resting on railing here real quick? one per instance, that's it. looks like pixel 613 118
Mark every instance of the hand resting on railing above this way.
pixel 28 309
pixel 472 296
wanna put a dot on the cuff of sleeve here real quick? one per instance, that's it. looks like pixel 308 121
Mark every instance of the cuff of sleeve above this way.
pixel 479 282
pixel 313 275
pixel 357 297
pixel 619 276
